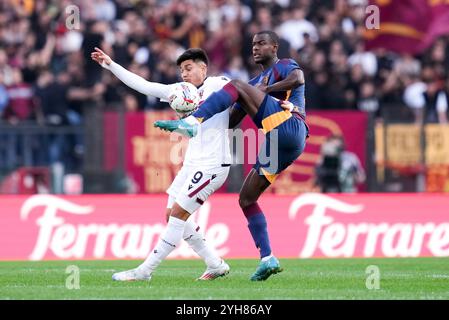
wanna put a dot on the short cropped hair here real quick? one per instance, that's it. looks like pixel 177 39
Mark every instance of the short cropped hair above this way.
pixel 273 36
pixel 195 54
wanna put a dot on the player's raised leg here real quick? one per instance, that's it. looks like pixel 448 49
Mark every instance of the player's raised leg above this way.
pixel 235 91
pixel 252 188
pixel 249 97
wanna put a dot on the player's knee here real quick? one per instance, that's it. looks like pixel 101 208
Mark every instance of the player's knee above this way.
pixel 245 201
pixel 179 212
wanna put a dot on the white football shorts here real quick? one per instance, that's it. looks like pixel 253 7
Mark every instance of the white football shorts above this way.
pixel 193 185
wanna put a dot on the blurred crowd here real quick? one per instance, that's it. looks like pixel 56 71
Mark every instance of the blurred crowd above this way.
pixel 47 76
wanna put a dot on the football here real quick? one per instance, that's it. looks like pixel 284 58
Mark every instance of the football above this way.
pixel 184 97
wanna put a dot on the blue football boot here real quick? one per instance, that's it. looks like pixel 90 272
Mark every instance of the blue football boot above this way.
pixel 180 126
pixel 266 269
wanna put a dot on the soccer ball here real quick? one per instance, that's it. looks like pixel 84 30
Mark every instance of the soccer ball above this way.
pixel 184 97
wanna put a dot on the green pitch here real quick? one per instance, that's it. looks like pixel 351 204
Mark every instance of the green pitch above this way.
pixel 417 278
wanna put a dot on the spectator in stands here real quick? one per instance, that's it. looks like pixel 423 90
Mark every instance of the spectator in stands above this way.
pixel 368 100
pixel 414 98
pixel 21 106
pixel 4 98
pixel 436 99
pixel 427 97
pixel 6 70
pixel 295 27
pixel 367 60
pixel 51 98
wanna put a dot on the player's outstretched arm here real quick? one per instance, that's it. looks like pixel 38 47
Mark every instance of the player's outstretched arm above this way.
pixel 132 80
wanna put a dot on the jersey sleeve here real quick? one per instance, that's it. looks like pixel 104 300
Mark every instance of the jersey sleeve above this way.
pixel 168 88
pixel 287 66
pixel 220 82
pixel 139 84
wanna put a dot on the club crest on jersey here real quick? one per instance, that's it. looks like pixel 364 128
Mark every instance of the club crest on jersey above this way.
pixel 265 80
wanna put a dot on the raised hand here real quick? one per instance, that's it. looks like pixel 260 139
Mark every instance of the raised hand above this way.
pixel 99 56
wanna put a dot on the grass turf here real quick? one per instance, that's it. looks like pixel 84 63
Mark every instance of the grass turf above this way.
pixel 415 278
